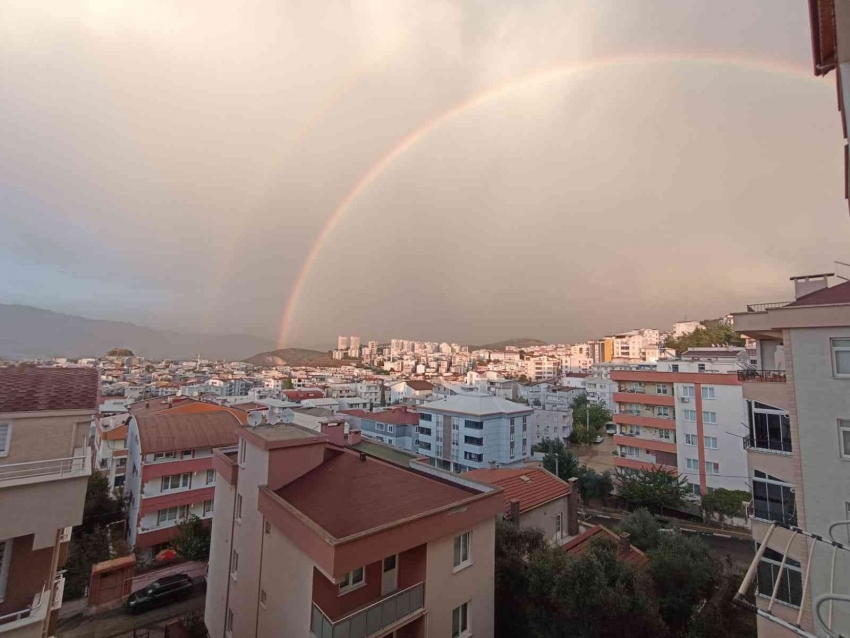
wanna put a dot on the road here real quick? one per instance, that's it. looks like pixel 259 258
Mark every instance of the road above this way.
pixel 598 457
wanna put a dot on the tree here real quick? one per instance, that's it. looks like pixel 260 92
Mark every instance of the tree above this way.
pixel 715 333
pixel 85 550
pixel 585 413
pixel 193 539
pixel 523 378
pixel 643 529
pixel 591 484
pixel 654 488
pixel 287 383
pixel 567 462
pixel 724 502
pixel 120 352
pixel 101 507
pixel 721 616
pixel 683 572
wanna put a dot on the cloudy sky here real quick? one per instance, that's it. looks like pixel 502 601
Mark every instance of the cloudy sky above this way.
pixel 466 171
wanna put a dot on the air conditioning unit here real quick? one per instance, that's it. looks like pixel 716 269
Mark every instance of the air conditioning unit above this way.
pixel 685 399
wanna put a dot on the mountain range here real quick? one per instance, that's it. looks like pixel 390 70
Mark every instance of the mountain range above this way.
pixel 26 332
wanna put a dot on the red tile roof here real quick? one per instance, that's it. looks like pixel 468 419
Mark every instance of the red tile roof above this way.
pixel 174 431
pixel 300 395
pixel 346 495
pixel 581 544
pixel 250 405
pixel 360 413
pixel 394 416
pixel 31 389
pixel 532 487
pixel 152 406
pixel 419 385
pixel 839 294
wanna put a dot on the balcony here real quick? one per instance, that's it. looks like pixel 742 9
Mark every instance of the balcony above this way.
pixel 774 446
pixel 647 398
pixel 627 418
pixel 378 618
pixel 13 474
pixel 764 307
pixel 763 376
pixel 28 622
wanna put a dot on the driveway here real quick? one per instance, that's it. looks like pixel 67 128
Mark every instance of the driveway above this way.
pixel 597 457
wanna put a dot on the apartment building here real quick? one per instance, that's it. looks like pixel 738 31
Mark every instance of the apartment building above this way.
pixel 395 426
pixel 312 538
pixel 467 431
pixel 540 367
pixel 410 391
pixel 46 417
pixel 171 471
pixel 110 442
pixel 600 387
pixel 687 416
pixel 371 391
pixel 798 452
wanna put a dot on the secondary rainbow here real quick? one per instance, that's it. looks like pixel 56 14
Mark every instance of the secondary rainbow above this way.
pixel 544 75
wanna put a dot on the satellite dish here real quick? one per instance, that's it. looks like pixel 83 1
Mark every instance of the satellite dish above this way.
pixel 288 416
pixel 273 417
pixel 254 419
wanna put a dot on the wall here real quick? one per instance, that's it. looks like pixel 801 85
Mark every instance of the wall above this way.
pixel 288 599
pixel 45 437
pixel 445 590
pixel 543 517
pixel 220 543
pixel 28 572
pixel 59 504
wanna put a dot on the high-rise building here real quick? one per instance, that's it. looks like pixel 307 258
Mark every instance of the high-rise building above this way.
pixel 342 343
pixel 46 416
pixel 798 452
pixel 354 343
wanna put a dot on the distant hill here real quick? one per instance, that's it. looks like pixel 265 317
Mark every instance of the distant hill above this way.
pixel 26 332
pixel 516 343
pixel 291 357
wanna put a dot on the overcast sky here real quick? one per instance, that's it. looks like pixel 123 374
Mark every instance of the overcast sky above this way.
pixel 173 164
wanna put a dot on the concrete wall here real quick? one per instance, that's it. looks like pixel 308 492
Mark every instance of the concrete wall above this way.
pixel 220 543
pixel 286 578
pixel 543 517
pixel 46 436
pixel 445 590
pixel 42 508
pixel 28 572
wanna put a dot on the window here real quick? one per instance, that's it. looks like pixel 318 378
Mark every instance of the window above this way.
pixel 208 507
pixel 187 454
pixel 171 514
pixel 665 435
pixel 700 367
pixel 460 621
pixel 474 425
pixel 390 429
pixel 695 488
pixel 5 438
pixel 712 468
pixel 791 585
pixel 229 622
pixel 176 481
pixel 210 476
pixel 238 507
pixel 558 521
pixel 662 411
pixel 674 367
pixel 379 427
pixel 473 440
pixel 689 415
pixel 662 388
pixel 425 417
pixel 688 391
pixel 243 451
pixel 840 357
pixel 708 392
pixel 524 421
pixel 513 420
pixel 163 455
pixel 267 527
pixel 844 438
pixel 352 580
pixel 513 450
pixel 770 427
pixel 463 550
pixel 234 564
pixel 424 445
pixel 425 431
pixel 5 561
pixel 693 464
pixel 263 597
pixel 773 499
pixel 709 417
pixel 711 442
pixel 524 447
pixel 472 456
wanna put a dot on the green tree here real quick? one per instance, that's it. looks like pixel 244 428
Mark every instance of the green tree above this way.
pixel 287 383
pixel 523 378
pixel 724 503
pixel 653 488
pixel 643 529
pixel 557 455
pixel 721 616
pixel 683 572
pixel 715 333
pixel 85 550
pixel 591 484
pixel 193 539
pixel 101 506
pixel 588 420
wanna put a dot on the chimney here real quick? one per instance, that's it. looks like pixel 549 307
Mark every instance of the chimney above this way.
pixel 807 284
pixel 572 508
pixel 354 437
pixel 625 542
pixel 514 515
pixel 492 465
pixel 335 431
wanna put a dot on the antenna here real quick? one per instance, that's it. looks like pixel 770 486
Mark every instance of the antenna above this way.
pixel 288 416
pixel 273 417
pixel 254 419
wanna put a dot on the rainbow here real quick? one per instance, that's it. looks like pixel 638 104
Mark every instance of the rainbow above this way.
pixel 548 74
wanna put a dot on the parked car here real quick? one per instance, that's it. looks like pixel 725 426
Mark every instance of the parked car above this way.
pixel 598 439
pixel 164 591
pixel 611 428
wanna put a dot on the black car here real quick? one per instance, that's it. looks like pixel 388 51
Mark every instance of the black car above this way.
pixel 166 590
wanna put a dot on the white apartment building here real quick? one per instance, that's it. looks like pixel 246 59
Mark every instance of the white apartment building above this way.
pixel 467 431
pixel 540 367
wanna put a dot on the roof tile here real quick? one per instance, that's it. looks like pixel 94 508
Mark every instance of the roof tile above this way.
pixel 33 389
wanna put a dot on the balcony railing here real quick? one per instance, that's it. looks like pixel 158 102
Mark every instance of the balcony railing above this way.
pixel 767 445
pixel 767 376
pixel 762 307
pixel 37 610
pixel 371 620
pixel 763 512
pixel 58 468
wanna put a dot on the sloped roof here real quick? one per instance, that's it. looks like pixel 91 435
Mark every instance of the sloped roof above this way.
pixel 839 294
pixel 532 487
pixel 394 416
pixel 171 432
pixel 581 544
pixel 419 385
pixel 346 495
pixel 476 403
pixel 33 389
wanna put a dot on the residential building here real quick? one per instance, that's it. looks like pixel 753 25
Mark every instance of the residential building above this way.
pixel 467 431
pixel 536 498
pixel 687 416
pixel 342 343
pixel 682 328
pixel 798 447
pixel 171 471
pixel 394 426
pixel 313 538
pixel 626 552
pixel 540 367
pixel 372 391
pixel 46 416
pixel 410 391
pixel 110 442
pixel 600 388
pixel 552 424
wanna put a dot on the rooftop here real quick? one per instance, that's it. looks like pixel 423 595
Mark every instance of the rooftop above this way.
pixel 388 453
pixel 283 432
pixel 321 413
pixel 169 431
pixel 419 385
pixel 394 416
pixel 32 389
pixel 476 403
pixel 532 487
pixel 834 295
pixel 346 495
pixel 152 406
pixel 581 544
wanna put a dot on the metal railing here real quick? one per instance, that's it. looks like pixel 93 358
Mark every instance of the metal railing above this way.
pixel 30 611
pixel 370 620
pixel 782 446
pixel 72 465
pixel 767 376
pixel 762 307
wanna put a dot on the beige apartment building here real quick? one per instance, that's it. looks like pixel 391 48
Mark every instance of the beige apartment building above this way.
pixel 798 454
pixel 313 538
pixel 46 418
